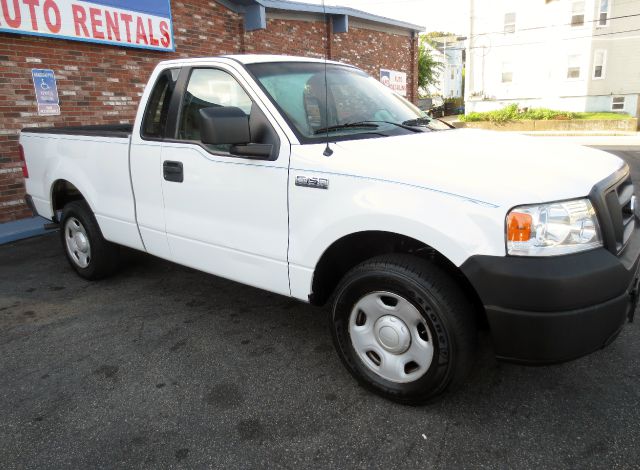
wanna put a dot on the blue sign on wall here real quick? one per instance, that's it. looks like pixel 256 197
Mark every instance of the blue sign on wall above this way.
pixel 145 24
pixel 44 82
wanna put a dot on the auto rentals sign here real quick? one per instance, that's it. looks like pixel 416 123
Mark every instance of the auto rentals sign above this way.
pixel 130 23
pixel 395 80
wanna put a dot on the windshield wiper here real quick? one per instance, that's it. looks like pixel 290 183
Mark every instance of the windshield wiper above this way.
pixel 421 121
pixel 347 125
pixel 366 125
pixel 425 121
pixel 403 125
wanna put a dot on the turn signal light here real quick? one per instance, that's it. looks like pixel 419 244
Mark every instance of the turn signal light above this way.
pixel 519 227
pixel 23 161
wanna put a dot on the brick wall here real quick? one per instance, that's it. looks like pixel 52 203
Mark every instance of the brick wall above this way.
pixel 372 50
pixel 102 84
pixel 303 38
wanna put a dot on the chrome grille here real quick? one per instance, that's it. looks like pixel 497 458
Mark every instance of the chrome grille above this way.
pixel 619 205
pixel 613 200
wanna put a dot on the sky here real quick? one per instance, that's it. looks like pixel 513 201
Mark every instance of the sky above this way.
pixel 450 16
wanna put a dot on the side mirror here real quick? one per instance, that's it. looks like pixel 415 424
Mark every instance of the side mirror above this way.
pixel 224 125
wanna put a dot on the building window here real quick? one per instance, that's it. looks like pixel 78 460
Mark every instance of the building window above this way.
pixel 617 103
pixel 577 13
pixel 599 63
pixel 573 66
pixel 603 13
pixel 453 73
pixel 507 72
pixel 510 23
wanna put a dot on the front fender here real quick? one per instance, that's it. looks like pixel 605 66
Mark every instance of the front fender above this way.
pixel 454 226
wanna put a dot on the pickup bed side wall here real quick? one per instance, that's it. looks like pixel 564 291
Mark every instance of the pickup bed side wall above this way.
pixel 97 166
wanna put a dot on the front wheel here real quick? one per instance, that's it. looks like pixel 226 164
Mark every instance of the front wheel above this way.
pixel 404 328
pixel 87 251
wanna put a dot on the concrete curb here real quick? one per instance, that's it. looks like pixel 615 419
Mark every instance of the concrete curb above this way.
pixel 570 127
pixel 21 229
pixel 581 134
pixel 631 141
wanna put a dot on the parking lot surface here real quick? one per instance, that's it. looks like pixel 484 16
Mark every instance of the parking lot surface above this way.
pixel 163 366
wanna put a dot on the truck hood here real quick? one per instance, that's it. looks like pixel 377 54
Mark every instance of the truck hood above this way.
pixel 489 167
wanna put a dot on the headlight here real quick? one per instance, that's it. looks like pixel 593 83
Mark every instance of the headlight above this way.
pixel 557 228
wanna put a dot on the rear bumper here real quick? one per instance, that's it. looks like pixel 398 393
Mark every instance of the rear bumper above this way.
pixel 547 310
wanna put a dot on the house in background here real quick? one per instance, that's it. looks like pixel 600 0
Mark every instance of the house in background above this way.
pixel 449 51
pixel 573 55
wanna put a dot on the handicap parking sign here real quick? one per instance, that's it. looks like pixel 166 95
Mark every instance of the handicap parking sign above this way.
pixel 44 82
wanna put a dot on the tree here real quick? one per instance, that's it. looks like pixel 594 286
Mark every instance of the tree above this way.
pixel 428 67
pixel 436 37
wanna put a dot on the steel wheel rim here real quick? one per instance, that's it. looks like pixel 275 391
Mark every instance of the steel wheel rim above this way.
pixel 77 242
pixel 391 337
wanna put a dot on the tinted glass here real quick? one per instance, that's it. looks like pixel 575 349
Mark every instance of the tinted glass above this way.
pixel 154 123
pixel 209 88
pixel 299 90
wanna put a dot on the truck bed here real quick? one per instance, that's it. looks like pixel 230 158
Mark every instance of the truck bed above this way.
pixel 94 159
pixel 101 130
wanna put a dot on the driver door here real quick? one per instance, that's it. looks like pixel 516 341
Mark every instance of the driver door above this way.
pixel 225 214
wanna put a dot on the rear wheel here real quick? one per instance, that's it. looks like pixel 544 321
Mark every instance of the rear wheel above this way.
pixel 87 251
pixel 404 328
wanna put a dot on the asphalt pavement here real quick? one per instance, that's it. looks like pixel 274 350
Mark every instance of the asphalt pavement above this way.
pixel 162 366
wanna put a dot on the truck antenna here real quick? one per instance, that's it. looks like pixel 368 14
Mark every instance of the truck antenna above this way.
pixel 327 151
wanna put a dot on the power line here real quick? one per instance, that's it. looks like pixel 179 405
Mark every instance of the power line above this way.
pixel 533 28
pixel 561 39
pixel 543 42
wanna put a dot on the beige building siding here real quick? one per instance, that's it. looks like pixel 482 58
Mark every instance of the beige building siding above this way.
pixel 536 56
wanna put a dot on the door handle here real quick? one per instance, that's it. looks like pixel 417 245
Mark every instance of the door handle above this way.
pixel 173 171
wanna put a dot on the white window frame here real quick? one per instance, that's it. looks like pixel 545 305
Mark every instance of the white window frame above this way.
pixel 510 27
pixel 569 67
pixel 613 103
pixel 600 12
pixel 604 64
pixel 574 14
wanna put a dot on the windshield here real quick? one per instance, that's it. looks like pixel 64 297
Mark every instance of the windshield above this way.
pixel 356 106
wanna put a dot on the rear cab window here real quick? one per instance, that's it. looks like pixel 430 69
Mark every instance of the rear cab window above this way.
pixel 154 123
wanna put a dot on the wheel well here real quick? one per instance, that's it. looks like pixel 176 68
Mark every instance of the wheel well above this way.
pixel 62 193
pixel 353 249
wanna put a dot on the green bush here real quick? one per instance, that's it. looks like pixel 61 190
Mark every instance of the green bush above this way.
pixel 513 113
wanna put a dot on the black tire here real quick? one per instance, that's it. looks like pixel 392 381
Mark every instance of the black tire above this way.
pixel 439 301
pixel 103 259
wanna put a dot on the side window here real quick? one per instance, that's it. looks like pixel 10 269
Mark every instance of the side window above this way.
pixel 209 88
pixel 577 13
pixel 155 118
pixel 509 23
pixel 573 66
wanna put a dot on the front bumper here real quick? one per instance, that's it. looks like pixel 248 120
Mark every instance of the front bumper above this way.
pixel 546 310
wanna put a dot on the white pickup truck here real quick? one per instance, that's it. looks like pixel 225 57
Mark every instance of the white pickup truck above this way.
pixel 313 180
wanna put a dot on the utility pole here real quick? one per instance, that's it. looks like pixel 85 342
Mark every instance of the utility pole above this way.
pixel 446 70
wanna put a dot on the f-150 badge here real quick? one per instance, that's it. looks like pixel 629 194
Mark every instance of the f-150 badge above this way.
pixel 317 183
